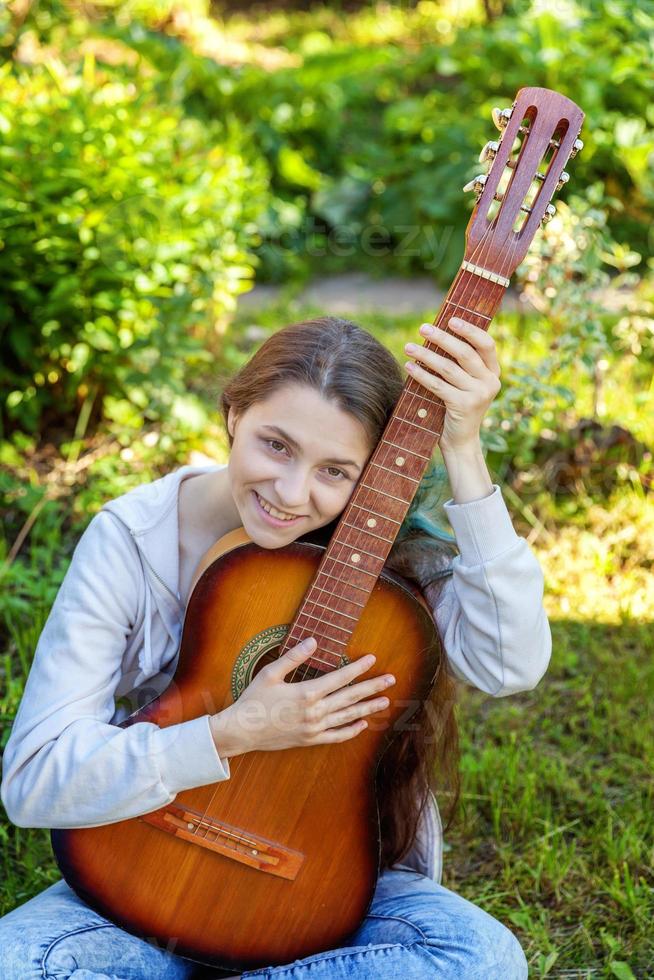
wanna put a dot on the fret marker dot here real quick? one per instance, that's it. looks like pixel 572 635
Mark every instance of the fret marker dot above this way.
pixel 422 412
pixel 356 558
pixel 190 826
pixel 371 522
pixel 400 460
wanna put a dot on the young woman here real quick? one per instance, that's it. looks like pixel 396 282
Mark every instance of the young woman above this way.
pixel 303 417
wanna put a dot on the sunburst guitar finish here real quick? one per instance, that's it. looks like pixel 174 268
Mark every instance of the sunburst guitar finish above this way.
pixel 281 860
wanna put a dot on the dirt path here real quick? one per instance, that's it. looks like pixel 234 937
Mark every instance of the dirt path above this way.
pixel 356 292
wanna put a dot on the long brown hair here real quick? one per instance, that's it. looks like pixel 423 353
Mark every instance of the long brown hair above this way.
pixel 351 368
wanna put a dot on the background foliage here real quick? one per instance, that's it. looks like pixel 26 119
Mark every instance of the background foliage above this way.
pixel 156 156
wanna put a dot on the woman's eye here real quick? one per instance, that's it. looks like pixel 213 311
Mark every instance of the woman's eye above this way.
pixel 275 442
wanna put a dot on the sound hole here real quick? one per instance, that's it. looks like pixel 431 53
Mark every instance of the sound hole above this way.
pixel 263 649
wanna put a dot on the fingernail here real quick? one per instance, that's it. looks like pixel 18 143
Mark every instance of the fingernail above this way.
pixel 427 329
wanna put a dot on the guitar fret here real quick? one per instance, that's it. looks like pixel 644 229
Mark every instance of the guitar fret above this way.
pixel 355 619
pixel 331 639
pixel 376 513
pixel 393 497
pixel 325 621
pixel 404 476
pixel 474 312
pixel 357 568
pixel 336 595
pixel 416 425
pixel 387 442
pixel 421 392
pixel 357 550
pixel 366 531
pixel 351 584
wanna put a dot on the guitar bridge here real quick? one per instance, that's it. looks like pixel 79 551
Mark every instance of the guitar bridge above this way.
pixel 232 842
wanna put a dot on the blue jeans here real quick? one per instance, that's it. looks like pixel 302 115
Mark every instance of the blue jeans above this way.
pixel 415 929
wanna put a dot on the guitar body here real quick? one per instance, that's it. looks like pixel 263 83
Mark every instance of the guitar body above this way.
pixel 281 860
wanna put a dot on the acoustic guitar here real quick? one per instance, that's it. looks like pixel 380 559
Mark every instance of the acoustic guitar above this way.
pixel 281 860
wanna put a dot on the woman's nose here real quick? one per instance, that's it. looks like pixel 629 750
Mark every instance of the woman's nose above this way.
pixel 293 491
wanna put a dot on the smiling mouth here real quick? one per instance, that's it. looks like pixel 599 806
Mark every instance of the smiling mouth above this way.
pixel 286 515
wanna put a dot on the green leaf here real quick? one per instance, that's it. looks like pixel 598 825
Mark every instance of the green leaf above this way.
pixel 621 970
pixel 295 170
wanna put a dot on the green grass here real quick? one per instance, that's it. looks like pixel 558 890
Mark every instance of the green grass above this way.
pixel 555 833
pixel 556 838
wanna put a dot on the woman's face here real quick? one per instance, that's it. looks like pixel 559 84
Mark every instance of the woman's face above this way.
pixel 307 470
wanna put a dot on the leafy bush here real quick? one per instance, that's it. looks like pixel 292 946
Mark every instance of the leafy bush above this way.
pixel 370 137
pixel 125 236
pixel 370 120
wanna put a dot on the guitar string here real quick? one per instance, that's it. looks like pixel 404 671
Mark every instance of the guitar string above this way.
pixel 469 292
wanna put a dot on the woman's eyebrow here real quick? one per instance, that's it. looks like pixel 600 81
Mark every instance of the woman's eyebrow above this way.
pixel 296 446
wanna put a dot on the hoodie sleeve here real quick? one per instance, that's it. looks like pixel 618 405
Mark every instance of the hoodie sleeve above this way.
pixel 489 612
pixel 65 765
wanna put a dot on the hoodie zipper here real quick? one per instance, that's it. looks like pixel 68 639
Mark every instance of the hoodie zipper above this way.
pixel 155 573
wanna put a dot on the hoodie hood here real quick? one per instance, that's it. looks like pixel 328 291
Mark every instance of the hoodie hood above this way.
pixel 150 513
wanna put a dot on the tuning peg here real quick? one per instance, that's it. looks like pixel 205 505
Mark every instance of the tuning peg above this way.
pixel 501 117
pixel 563 179
pixel 576 147
pixel 476 185
pixel 489 152
pixel 550 211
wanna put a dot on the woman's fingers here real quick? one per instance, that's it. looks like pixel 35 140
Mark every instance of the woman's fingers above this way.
pixel 479 339
pixel 447 392
pixel 354 694
pixel 354 712
pixel 467 379
pixel 457 376
pixel 338 678
pixel 473 351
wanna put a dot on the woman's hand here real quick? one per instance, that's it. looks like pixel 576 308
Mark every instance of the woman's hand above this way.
pixel 273 714
pixel 467 385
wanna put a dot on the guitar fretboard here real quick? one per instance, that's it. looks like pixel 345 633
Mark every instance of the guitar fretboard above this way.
pixel 365 534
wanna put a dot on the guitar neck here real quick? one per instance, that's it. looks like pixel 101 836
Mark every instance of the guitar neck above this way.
pixel 538 134
pixel 360 545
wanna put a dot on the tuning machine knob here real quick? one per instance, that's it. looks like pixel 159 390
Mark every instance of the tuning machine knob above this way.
pixel 476 184
pixel 489 152
pixel 550 211
pixel 501 117
pixel 576 147
pixel 563 179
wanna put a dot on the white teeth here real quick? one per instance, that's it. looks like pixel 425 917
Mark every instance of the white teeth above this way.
pixel 275 513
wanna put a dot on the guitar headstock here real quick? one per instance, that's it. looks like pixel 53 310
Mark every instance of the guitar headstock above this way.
pixel 539 133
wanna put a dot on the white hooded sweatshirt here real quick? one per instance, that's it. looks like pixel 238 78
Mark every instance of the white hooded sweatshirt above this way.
pixel 111 644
